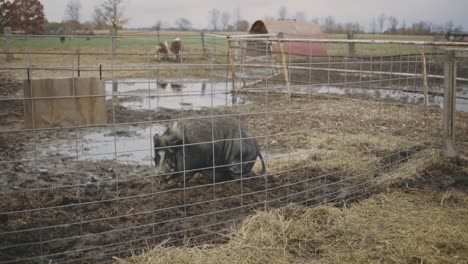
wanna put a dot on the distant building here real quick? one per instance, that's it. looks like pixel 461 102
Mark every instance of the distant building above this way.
pixel 288 29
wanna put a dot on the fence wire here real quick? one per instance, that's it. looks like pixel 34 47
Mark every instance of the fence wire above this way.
pixel 331 127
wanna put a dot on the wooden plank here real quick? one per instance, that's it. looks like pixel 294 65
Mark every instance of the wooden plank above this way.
pixel 64 102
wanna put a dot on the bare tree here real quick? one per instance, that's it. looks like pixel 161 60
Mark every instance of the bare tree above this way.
pixel 183 24
pixel 98 18
pixel 351 30
pixel 73 14
pixel 458 28
pixel 214 18
pixel 113 13
pixel 300 16
pixel 393 21
pixel 421 28
pixel 381 20
pixel 225 17
pixel 157 27
pixel 329 24
pixel 242 25
pixel 373 26
pixel 449 26
pixel 236 17
pixel 402 29
pixel 283 12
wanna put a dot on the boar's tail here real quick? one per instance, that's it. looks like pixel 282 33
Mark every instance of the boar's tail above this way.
pixel 263 163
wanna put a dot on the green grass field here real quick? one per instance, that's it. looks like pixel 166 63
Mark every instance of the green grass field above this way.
pixel 145 39
pixel 93 42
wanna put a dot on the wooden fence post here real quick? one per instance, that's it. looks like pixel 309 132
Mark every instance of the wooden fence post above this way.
pixel 242 61
pixel 450 75
pixel 424 76
pixel 351 45
pixel 8 49
pixel 202 34
pixel 285 66
pixel 79 62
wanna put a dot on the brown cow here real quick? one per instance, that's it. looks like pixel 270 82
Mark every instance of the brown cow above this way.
pixel 162 51
pixel 176 49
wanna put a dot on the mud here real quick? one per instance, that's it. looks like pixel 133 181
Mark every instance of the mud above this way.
pixel 453 175
pixel 58 207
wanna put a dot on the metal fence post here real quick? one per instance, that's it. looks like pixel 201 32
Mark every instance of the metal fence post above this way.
pixel 115 85
pixel 113 35
pixel 450 75
pixel 232 59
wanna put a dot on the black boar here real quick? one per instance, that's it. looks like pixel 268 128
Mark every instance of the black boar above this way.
pixel 223 142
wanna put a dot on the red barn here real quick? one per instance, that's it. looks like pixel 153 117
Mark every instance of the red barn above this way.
pixel 288 29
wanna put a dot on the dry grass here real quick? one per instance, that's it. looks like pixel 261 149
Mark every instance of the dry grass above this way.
pixel 396 226
pixel 360 154
pixel 392 227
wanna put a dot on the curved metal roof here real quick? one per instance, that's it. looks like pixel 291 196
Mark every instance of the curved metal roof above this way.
pixel 293 29
pixel 289 28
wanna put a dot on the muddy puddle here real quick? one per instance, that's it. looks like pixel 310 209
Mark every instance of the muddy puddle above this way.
pixel 171 94
pixel 132 144
pixel 124 144
pixel 398 95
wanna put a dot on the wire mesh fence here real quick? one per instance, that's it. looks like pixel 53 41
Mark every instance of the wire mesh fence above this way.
pixel 329 128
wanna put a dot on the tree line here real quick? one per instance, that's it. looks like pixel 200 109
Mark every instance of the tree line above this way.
pixel 381 24
pixel 28 16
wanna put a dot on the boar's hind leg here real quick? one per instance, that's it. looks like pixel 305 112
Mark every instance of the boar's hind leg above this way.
pixel 238 170
pixel 235 172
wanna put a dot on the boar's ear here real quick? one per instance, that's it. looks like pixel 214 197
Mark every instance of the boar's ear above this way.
pixel 175 144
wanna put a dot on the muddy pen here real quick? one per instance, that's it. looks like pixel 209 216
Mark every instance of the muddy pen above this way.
pixel 108 150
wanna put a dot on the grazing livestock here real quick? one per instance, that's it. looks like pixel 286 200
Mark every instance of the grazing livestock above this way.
pixel 162 51
pixel 195 146
pixel 176 49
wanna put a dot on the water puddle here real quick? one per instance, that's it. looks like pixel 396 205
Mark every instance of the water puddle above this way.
pixel 172 94
pixel 132 144
pixel 125 144
pixel 398 95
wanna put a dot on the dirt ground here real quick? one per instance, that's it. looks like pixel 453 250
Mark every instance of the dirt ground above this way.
pixel 421 220
pixel 329 148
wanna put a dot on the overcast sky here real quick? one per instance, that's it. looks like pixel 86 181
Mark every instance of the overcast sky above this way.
pixel 144 13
